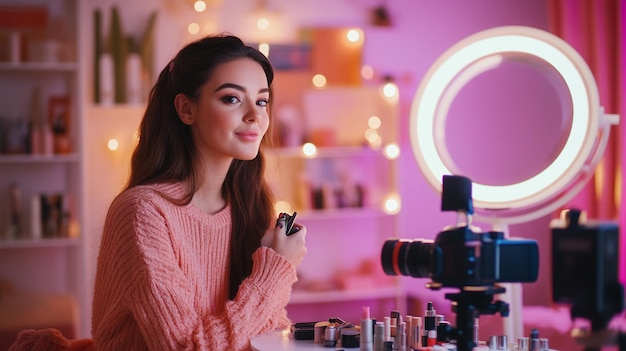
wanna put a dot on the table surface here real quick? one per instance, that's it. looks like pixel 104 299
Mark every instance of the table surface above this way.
pixel 281 340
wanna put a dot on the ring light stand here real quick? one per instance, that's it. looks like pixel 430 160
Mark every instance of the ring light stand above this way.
pixel 549 189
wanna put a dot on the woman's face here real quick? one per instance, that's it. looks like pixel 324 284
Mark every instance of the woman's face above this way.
pixel 230 117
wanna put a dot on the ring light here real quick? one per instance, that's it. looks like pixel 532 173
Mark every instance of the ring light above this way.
pixel 575 162
pixel 550 187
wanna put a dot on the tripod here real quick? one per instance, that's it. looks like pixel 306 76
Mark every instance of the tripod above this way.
pixel 469 304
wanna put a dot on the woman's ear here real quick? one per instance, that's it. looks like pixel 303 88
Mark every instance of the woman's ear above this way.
pixel 184 108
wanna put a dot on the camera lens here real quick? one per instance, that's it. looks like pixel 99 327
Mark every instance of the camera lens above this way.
pixel 407 257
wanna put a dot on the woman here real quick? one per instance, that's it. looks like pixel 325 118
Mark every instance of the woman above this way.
pixel 188 260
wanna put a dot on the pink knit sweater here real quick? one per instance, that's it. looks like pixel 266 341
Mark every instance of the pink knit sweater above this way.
pixel 162 279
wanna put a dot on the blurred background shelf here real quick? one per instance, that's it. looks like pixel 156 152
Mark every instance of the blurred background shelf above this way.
pixel 39 243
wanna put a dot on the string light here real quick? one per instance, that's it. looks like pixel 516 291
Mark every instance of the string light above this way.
pixel 199 6
pixel 319 80
pixel 113 144
pixel 390 89
pixel 367 72
pixel 263 23
pixel 193 28
pixel 373 138
pixel 265 49
pixel 309 150
pixel 392 204
pixel 392 151
pixel 353 35
pixel 374 122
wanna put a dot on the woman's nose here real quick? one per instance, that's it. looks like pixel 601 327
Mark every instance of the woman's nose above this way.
pixel 253 113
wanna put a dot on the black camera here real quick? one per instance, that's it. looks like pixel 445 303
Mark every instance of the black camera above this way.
pixel 585 273
pixel 461 256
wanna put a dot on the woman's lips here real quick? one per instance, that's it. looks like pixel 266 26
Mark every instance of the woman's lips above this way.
pixel 248 136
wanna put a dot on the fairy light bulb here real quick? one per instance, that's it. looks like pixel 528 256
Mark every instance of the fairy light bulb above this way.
pixel 353 35
pixel 199 6
pixel 319 80
pixel 392 204
pixel 264 48
pixel 373 138
pixel 374 122
pixel 392 151
pixel 309 150
pixel 263 23
pixel 193 28
pixel 390 89
pixel 113 144
pixel 367 72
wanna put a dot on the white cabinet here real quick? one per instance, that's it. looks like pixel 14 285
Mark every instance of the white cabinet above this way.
pixel 41 183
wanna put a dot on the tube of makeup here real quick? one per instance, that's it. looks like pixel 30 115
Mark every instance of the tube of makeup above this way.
pixel 409 331
pixel 379 336
pixel 416 342
pixel 430 322
pixel 401 337
pixel 367 332
pixel 387 324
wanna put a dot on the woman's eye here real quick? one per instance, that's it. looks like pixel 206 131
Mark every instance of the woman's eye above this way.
pixel 262 102
pixel 231 99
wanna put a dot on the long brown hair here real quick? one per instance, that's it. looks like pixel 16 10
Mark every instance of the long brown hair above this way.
pixel 166 152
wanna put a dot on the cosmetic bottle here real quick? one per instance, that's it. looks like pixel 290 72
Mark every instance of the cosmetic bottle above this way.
pixel 430 322
pixel 330 336
pixel 522 344
pixel 409 331
pixel 401 337
pixel 534 340
pixel 387 324
pixel 367 331
pixel 416 341
pixel 498 342
pixel 395 328
pixel 379 336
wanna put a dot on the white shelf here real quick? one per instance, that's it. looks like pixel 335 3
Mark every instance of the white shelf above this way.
pixel 39 67
pixel 326 152
pixel 39 243
pixel 304 297
pixel 343 213
pixel 36 159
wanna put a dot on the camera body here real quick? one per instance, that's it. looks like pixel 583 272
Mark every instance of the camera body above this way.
pixel 462 256
pixel 585 261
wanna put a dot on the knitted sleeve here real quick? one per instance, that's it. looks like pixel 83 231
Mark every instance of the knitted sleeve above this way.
pixel 145 272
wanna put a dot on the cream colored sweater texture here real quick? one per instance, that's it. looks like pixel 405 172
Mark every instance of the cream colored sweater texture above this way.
pixel 162 279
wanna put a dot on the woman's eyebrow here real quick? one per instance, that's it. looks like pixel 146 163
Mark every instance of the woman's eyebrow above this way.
pixel 230 85
pixel 238 87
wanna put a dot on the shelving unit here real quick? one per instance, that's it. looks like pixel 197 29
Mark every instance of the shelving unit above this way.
pixel 341 269
pixel 39 243
pixel 32 262
pixel 42 67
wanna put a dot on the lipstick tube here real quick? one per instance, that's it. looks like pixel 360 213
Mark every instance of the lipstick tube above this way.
pixel 367 331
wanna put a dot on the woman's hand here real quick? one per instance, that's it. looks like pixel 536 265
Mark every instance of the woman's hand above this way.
pixel 291 247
